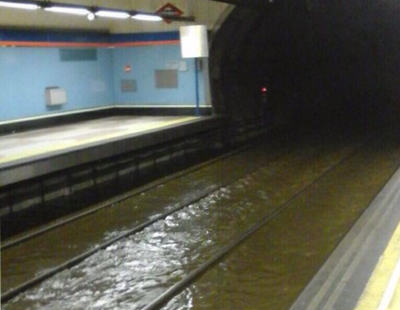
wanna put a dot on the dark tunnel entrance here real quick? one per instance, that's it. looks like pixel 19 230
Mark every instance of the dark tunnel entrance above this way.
pixel 323 62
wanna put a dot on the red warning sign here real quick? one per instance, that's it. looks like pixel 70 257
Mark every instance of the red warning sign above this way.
pixel 169 10
pixel 127 68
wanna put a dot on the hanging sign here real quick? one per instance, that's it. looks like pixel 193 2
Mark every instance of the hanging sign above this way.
pixel 169 10
pixel 194 41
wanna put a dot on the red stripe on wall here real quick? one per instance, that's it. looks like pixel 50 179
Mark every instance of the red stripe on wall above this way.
pixel 52 44
pixel 85 44
pixel 144 43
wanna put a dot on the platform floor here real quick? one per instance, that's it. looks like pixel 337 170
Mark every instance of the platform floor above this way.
pixel 363 273
pixel 25 145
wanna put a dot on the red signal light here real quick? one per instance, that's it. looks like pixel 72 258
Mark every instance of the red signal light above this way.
pixel 264 89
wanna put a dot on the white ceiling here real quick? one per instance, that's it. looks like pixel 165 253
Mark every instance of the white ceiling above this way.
pixel 205 12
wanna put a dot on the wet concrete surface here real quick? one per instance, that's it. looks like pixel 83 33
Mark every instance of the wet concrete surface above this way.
pixel 266 272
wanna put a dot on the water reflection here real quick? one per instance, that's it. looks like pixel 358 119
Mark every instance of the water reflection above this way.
pixel 271 268
pixel 132 272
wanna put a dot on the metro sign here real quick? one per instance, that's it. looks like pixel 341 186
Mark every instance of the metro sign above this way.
pixel 169 10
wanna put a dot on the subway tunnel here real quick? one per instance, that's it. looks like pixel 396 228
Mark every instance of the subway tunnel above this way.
pixel 272 184
pixel 324 62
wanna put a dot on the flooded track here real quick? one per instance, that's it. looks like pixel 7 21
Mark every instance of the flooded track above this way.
pixel 326 182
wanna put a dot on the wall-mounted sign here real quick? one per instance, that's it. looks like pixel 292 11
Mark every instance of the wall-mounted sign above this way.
pixel 194 41
pixel 127 68
pixel 169 10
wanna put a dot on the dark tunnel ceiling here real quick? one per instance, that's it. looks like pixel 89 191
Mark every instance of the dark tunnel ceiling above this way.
pixel 322 60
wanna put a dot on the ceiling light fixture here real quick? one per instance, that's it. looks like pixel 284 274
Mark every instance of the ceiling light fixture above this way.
pixel 91 16
pixel 19 5
pixel 89 12
pixel 112 14
pixel 67 10
pixel 147 17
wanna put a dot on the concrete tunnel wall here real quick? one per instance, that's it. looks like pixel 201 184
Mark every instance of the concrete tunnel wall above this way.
pixel 323 61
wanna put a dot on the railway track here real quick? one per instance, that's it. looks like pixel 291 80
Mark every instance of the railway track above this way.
pixel 14 241
pixel 77 259
pixel 179 286
pixel 185 282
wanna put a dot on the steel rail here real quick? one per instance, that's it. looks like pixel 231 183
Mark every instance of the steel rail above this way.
pixel 178 287
pixel 193 275
pixel 77 259
pixel 13 292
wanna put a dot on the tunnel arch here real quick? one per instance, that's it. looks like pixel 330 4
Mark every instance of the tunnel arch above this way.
pixel 326 61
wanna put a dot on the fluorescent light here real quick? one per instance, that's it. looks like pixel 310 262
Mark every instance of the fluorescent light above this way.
pixel 91 16
pixel 147 17
pixel 113 14
pixel 19 5
pixel 67 10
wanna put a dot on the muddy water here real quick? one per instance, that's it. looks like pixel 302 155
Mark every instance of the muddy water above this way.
pixel 271 268
pixel 20 263
pixel 130 273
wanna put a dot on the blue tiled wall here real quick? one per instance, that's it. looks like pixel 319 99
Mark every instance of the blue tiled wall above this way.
pixel 143 61
pixel 26 72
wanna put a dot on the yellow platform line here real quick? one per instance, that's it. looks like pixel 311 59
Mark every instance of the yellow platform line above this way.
pixel 395 303
pixel 62 145
pixel 383 288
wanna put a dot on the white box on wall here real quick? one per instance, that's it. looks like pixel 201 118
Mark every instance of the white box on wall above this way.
pixel 55 96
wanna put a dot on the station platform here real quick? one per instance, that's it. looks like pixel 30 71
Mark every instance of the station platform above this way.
pixel 363 273
pixel 38 152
